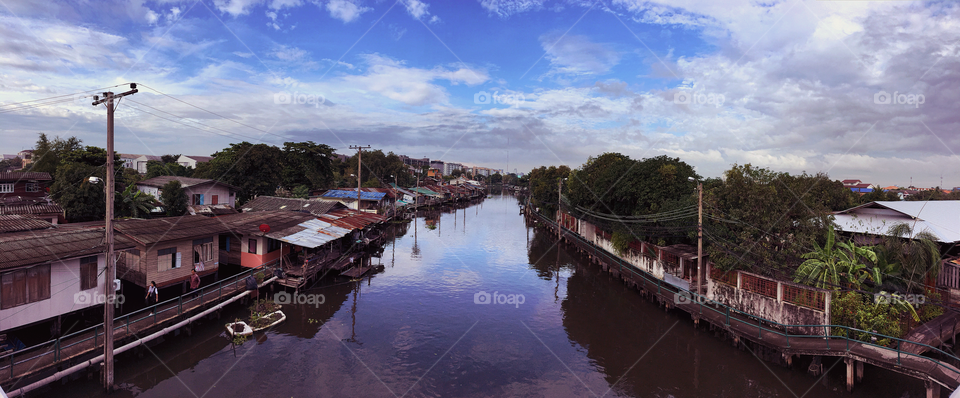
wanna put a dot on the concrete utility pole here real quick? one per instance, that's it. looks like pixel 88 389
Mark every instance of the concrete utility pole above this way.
pixel 111 272
pixel 559 204
pixel 699 233
pixel 359 149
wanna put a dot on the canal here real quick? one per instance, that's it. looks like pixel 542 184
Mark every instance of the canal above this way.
pixel 547 324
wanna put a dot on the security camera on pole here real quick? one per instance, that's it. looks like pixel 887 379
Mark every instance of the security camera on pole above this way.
pixel 111 272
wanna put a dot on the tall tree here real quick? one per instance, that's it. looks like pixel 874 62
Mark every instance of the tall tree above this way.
pixel 308 164
pixel 255 168
pixel 174 198
pixel 81 199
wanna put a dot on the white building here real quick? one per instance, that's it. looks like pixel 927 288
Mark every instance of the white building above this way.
pixel 449 167
pixel 140 163
pixel 48 273
pixel 199 191
pixel 191 161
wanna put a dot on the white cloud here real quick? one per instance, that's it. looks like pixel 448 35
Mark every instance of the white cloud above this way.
pixel 345 10
pixel 506 8
pixel 577 55
pixel 419 10
pixel 236 7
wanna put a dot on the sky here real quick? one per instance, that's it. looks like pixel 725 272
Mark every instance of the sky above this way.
pixel 856 89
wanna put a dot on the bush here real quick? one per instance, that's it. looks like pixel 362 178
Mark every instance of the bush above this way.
pixel 621 241
pixel 854 310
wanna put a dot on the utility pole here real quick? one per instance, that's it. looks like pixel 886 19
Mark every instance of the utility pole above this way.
pixel 111 272
pixel 699 233
pixel 359 149
pixel 559 215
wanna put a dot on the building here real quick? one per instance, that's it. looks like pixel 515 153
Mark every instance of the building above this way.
pixel 199 191
pixel 191 161
pixel 20 185
pixel 416 163
pixel 165 250
pixel 128 160
pixel 434 173
pixel 437 164
pixel 371 202
pixel 876 218
pixel 449 167
pixel 26 156
pixel 140 163
pixel 48 273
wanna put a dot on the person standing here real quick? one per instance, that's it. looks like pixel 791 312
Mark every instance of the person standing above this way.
pixel 194 282
pixel 152 295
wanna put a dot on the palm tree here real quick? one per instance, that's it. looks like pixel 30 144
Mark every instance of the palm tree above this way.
pixel 918 257
pixel 826 266
pixel 136 203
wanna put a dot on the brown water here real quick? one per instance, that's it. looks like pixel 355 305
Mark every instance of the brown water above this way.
pixel 414 329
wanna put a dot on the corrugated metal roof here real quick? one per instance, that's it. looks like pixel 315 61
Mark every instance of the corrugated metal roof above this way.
pixel 249 223
pixel 155 230
pixel 273 203
pixel 38 247
pixel 25 176
pixel 425 191
pixel 211 210
pixel 15 223
pixel 31 209
pixel 311 233
pixel 340 194
pixel 939 217
pixel 352 219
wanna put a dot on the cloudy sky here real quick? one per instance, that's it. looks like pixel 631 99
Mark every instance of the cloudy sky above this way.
pixel 791 85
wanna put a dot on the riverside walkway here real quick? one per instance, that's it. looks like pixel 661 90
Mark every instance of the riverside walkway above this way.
pixel 20 367
pixel 838 341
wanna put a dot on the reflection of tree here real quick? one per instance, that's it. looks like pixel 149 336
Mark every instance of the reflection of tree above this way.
pixel 543 255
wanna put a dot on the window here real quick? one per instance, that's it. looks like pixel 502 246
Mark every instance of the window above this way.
pixel 6 187
pixel 252 246
pixel 33 187
pixel 214 199
pixel 88 272
pixel 168 259
pixel 198 198
pixel 202 250
pixel 24 286
pixel 272 245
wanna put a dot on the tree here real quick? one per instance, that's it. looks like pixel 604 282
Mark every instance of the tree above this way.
pixel 826 267
pixel 155 169
pixel 81 199
pixel 47 154
pixel 544 182
pixel 308 164
pixel 496 178
pixel 456 173
pixel 174 198
pixel 301 191
pixel 917 258
pixel 135 203
pixel 254 168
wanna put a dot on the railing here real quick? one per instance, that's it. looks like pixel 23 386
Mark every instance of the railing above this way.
pixel 779 329
pixel 55 348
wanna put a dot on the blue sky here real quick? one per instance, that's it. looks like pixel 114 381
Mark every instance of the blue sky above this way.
pixel 788 85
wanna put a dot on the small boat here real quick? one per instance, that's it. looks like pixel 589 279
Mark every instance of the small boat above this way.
pixel 246 330
pixel 281 319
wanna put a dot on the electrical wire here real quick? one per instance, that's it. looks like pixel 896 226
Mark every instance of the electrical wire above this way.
pixel 192 121
pixel 17 106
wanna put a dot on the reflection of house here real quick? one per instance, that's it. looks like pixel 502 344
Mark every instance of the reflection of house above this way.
pixel 369 201
pixel 167 249
pixel 191 161
pixel 51 272
pixel 199 191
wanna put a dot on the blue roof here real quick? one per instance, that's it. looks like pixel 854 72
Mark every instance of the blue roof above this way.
pixel 336 193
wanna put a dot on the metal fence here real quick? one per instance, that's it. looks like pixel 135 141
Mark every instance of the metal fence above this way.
pixel 52 352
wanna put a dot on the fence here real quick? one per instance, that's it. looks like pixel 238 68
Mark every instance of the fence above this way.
pixel 77 343
pixel 747 320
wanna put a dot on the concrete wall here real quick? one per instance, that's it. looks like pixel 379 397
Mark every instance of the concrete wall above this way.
pixel 774 309
pixel 64 295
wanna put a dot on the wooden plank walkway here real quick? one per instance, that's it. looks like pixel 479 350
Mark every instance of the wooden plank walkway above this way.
pixel 37 360
pixel 356 272
pixel 933 333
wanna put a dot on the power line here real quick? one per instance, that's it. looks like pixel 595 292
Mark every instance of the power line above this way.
pixel 51 100
pixel 188 125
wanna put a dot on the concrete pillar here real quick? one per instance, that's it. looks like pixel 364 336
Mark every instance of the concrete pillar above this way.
pixel 859 371
pixel 933 389
pixel 850 375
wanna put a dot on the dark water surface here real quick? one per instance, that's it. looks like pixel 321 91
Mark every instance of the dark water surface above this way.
pixel 414 329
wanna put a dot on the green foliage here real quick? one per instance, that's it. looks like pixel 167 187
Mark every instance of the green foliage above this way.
pixel 301 191
pixel 621 241
pixel 844 308
pixel 308 164
pixel 382 168
pixel 80 199
pixel 373 183
pixel 496 178
pixel 930 309
pixel 47 154
pixel 854 310
pixel 544 182
pixel 174 198
pixel 255 168
pixel 135 203
pixel 918 257
pixel 835 263
pixel 775 216
pixel 155 169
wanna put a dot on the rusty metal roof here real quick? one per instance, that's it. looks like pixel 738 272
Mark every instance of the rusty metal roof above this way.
pixel 351 219
pixel 249 223
pixel 147 232
pixel 273 203
pixel 25 176
pixel 15 223
pixel 37 247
